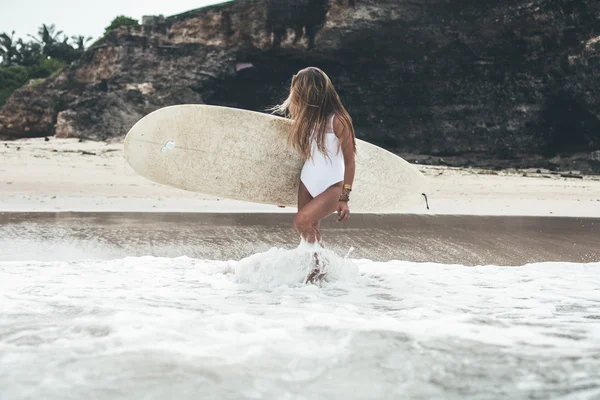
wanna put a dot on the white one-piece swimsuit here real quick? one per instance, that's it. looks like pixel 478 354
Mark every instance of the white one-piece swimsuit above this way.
pixel 320 172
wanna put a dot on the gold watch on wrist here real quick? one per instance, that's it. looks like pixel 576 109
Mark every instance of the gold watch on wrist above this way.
pixel 345 196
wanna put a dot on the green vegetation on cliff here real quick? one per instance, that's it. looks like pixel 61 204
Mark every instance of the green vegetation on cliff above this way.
pixel 14 76
pixel 45 54
pixel 122 22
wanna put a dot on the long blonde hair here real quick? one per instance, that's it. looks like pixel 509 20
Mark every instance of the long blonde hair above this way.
pixel 310 104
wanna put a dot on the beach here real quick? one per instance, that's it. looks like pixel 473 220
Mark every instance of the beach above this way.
pixel 114 287
pixel 68 175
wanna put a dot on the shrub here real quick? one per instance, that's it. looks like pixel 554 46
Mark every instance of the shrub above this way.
pixel 15 76
pixel 122 22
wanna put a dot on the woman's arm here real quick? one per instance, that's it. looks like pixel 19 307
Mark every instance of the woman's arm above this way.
pixel 347 143
pixel 345 136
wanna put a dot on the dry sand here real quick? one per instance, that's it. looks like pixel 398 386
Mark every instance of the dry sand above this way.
pixel 66 175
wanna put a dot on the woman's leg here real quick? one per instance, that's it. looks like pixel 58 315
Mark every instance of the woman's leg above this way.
pixel 304 198
pixel 310 214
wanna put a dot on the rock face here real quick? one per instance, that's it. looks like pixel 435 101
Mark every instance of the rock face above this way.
pixel 472 81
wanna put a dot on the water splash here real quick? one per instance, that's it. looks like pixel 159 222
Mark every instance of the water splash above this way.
pixel 287 267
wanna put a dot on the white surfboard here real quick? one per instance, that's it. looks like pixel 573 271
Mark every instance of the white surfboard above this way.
pixel 243 155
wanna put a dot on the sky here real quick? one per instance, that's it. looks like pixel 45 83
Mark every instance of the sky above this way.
pixel 80 17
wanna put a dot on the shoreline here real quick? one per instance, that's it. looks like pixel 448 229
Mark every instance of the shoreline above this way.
pixel 444 239
pixel 65 175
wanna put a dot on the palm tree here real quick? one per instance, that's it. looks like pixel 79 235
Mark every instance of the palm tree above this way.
pixel 80 41
pixel 48 38
pixel 29 53
pixel 8 50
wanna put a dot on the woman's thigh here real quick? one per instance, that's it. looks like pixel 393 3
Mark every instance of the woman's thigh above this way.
pixel 322 205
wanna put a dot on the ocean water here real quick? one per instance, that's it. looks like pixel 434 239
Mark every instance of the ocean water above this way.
pixel 185 328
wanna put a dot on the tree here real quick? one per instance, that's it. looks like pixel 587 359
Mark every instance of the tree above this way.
pixel 29 53
pixel 55 44
pixel 29 62
pixel 48 39
pixel 80 41
pixel 65 52
pixel 120 22
pixel 8 50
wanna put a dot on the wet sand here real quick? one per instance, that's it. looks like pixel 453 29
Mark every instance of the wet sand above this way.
pixel 448 239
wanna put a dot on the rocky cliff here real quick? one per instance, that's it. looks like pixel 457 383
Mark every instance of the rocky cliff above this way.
pixel 470 81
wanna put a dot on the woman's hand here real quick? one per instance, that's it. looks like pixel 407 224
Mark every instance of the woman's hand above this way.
pixel 343 211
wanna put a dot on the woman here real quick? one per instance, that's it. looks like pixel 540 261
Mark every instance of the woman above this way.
pixel 323 133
